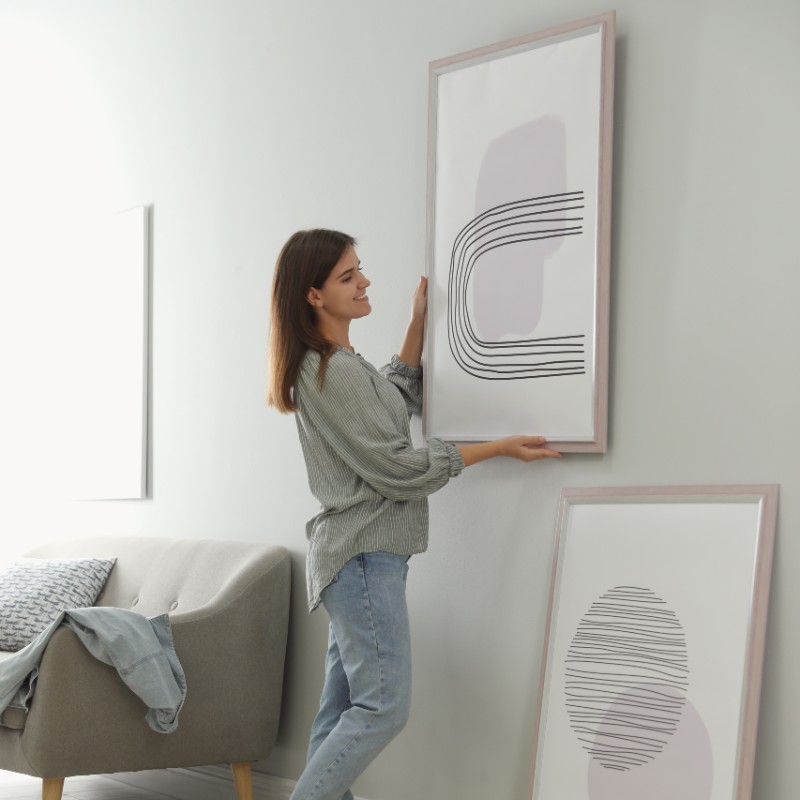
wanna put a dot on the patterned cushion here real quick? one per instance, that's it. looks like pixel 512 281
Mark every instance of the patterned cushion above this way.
pixel 34 591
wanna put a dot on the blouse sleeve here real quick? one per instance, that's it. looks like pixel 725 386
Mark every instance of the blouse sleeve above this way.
pixel 352 419
pixel 408 380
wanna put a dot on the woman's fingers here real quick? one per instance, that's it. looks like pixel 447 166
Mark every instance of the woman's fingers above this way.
pixel 529 448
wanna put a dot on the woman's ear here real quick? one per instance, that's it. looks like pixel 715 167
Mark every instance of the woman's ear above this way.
pixel 314 297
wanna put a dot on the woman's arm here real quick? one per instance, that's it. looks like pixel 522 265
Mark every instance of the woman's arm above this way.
pixel 524 448
pixel 352 421
pixel 411 349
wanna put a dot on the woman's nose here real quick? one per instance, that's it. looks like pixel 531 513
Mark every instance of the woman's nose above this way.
pixel 365 281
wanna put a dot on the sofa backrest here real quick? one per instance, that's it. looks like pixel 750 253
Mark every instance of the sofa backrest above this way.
pixel 153 575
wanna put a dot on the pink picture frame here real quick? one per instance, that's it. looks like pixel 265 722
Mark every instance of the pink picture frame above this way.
pixel 519 237
pixel 654 644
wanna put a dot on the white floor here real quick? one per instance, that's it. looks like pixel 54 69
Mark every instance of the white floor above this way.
pixel 22 787
pixel 206 783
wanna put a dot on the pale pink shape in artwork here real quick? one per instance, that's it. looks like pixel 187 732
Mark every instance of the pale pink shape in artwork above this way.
pixel 526 162
pixel 682 769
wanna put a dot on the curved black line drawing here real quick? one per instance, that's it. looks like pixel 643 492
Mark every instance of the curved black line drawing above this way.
pixel 531 219
pixel 626 677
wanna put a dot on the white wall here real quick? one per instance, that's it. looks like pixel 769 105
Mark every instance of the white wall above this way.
pixel 241 121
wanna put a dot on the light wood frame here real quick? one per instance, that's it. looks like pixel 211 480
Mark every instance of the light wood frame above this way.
pixel 708 547
pixel 485 386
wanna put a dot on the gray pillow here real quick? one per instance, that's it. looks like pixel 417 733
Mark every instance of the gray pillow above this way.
pixel 34 591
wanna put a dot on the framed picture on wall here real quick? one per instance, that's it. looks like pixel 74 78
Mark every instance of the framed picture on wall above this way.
pixel 654 644
pixel 518 238
pixel 109 368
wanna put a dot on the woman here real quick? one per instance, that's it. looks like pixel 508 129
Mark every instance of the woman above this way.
pixel 372 484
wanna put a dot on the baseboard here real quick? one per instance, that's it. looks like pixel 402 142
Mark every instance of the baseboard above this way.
pixel 204 783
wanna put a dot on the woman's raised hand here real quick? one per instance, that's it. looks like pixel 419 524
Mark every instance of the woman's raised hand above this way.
pixel 411 349
pixel 419 302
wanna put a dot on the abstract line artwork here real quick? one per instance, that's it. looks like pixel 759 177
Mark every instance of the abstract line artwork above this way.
pixel 530 220
pixel 626 676
pixel 654 643
pixel 519 238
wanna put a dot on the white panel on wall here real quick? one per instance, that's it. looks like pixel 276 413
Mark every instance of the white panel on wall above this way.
pixel 106 457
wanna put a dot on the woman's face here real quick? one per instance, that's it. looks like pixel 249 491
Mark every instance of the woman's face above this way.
pixel 343 296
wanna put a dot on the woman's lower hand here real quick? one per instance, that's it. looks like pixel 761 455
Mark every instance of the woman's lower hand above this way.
pixel 523 448
pixel 526 448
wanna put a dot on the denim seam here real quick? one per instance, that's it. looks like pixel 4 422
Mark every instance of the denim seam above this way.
pixel 381 682
pixel 336 761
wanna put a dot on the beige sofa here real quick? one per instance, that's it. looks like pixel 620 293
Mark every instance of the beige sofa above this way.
pixel 229 609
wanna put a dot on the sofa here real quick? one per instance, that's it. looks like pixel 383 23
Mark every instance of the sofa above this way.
pixel 228 604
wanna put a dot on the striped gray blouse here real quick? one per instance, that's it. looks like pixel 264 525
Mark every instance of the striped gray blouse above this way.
pixel 370 480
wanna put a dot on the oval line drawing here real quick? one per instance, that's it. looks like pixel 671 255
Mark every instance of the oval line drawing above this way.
pixel 626 675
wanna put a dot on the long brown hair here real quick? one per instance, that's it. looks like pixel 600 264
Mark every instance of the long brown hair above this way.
pixel 305 261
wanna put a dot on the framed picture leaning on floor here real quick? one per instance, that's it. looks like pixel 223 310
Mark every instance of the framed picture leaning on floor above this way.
pixel 654 646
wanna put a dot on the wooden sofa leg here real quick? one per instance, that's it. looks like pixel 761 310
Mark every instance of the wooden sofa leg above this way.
pixel 52 788
pixel 243 780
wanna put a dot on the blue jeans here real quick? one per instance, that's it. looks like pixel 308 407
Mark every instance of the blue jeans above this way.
pixel 367 692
